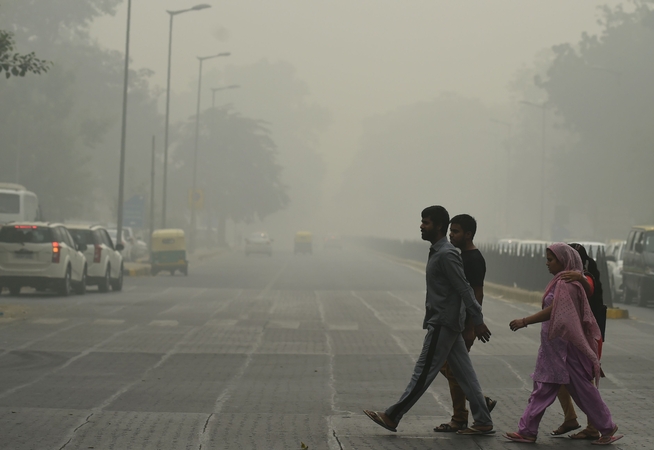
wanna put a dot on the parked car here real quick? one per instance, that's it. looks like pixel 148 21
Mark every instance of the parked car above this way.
pixel 127 246
pixel 614 262
pixel 103 260
pixel 258 242
pixel 43 256
pixel 638 266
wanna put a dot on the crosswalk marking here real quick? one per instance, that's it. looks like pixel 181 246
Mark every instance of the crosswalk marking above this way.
pixel 287 324
pixel 164 323
pixel 108 321
pixel 50 321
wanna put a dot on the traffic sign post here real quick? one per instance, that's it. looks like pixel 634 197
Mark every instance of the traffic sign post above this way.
pixel 196 199
pixel 134 212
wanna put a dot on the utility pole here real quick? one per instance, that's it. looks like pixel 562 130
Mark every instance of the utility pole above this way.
pixel 121 182
pixel 152 227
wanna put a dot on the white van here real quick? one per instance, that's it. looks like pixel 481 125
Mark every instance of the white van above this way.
pixel 17 204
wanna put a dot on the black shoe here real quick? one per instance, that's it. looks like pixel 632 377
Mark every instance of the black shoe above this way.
pixel 490 403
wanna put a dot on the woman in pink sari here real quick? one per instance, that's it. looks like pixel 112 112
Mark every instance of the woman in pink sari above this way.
pixel 568 353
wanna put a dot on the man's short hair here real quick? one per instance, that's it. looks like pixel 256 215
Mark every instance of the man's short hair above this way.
pixel 466 222
pixel 438 216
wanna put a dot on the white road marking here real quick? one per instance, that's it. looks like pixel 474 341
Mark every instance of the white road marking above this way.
pixel 332 439
pixel 269 286
pixel 108 321
pixel 286 324
pixel 164 323
pixel 51 321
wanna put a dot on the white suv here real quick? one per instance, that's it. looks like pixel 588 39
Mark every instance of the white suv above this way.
pixel 42 256
pixel 103 260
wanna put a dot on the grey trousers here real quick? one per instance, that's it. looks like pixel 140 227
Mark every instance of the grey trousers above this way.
pixel 442 344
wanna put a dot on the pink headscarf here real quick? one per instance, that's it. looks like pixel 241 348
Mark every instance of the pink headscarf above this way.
pixel 572 319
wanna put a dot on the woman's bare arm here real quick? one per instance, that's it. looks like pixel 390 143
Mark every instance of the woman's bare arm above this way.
pixel 541 316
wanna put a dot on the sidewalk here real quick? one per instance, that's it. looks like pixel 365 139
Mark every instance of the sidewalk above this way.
pixel 142 268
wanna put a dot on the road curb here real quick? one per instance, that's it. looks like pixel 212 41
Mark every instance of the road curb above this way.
pixel 143 270
pixel 617 313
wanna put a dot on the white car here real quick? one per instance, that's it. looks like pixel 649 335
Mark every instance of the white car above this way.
pixel 43 256
pixel 103 259
pixel 127 246
pixel 258 243
pixel 614 261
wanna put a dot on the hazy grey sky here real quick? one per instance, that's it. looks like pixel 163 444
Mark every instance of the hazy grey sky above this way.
pixel 359 57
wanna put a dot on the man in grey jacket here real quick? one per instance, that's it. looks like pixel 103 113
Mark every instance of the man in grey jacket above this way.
pixel 449 297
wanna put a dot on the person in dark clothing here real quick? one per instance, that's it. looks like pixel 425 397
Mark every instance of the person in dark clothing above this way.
pixel 462 232
pixel 449 297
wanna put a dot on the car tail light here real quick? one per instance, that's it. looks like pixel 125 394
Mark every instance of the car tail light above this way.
pixel 56 252
pixel 97 255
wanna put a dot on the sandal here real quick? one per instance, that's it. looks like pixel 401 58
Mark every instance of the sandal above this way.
pixel 609 439
pixel 451 427
pixel 515 437
pixel 563 429
pixel 476 430
pixel 585 434
pixel 378 418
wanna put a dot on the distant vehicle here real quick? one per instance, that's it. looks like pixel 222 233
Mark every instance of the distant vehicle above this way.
pixel 258 242
pixel 333 240
pixel 531 247
pixel 303 242
pixel 638 266
pixel 124 241
pixel 103 260
pixel 17 204
pixel 592 247
pixel 169 251
pixel 614 262
pixel 43 256
pixel 507 245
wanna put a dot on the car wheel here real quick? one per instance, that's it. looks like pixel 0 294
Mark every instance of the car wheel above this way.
pixel 117 284
pixel 626 296
pixel 104 284
pixel 185 270
pixel 643 295
pixel 66 284
pixel 172 272
pixel 14 290
pixel 80 288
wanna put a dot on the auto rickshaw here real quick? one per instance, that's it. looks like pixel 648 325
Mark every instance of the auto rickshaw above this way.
pixel 168 251
pixel 303 241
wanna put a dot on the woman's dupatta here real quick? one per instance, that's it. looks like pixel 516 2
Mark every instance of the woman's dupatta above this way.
pixel 572 319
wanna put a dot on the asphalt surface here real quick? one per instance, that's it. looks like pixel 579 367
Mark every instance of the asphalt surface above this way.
pixel 270 353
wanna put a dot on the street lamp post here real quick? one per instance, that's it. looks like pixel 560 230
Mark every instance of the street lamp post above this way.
pixel 508 170
pixel 543 108
pixel 201 59
pixel 214 90
pixel 123 134
pixel 170 52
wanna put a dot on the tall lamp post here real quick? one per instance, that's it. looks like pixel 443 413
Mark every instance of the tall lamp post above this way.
pixel 543 108
pixel 214 90
pixel 201 59
pixel 170 52
pixel 121 180
pixel 508 170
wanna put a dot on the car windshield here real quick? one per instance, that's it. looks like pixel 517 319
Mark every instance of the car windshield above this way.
pixel 25 234
pixel 82 236
pixel 9 203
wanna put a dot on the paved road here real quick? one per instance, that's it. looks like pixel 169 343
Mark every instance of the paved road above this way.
pixel 268 353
